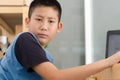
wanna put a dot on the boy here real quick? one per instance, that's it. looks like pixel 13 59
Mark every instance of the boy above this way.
pixel 27 59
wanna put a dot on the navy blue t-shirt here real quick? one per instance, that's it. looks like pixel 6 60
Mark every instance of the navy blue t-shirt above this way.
pixel 28 52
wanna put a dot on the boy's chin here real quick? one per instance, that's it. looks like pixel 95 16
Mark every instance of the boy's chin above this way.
pixel 43 42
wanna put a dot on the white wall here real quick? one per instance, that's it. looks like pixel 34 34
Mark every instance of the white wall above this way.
pixel 106 17
pixel 68 47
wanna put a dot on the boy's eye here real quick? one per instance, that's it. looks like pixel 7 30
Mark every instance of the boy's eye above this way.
pixel 38 19
pixel 51 21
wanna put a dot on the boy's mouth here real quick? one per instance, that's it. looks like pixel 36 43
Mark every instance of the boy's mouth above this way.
pixel 42 35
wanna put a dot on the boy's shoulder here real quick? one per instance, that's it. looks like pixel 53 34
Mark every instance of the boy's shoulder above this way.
pixel 25 34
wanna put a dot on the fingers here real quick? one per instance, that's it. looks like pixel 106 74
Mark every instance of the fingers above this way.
pixel 114 59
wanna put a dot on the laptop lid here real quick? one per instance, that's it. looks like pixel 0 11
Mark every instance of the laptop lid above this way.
pixel 113 42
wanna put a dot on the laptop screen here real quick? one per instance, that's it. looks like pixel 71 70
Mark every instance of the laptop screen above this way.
pixel 113 42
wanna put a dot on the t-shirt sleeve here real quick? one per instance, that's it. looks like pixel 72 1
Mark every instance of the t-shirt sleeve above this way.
pixel 28 52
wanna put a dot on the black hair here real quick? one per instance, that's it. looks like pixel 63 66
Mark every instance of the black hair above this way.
pixel 48 3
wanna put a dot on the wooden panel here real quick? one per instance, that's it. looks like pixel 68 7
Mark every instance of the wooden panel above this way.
pixel 11 9
pixel 0 32
pixel 116 72
pixel 12 2
pixel 25 15
pixel 112 73
pixel 6 26
pixel 1 54
pixel 18 29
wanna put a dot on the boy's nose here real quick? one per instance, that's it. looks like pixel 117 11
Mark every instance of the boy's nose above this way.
pixel 44 26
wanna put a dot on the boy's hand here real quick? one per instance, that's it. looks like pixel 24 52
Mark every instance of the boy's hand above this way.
pixel 114 59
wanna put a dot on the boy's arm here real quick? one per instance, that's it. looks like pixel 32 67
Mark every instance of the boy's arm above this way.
pixel 49 72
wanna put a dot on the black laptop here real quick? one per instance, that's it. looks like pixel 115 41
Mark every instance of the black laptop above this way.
pixel 113 42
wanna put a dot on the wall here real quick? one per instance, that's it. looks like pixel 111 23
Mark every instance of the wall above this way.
pixel 68 47
pixel 106 17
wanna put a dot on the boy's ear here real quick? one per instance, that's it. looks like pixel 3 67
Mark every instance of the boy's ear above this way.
pixel 60 25
pixel 27 20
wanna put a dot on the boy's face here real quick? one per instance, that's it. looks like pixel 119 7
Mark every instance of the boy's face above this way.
pixel 44 24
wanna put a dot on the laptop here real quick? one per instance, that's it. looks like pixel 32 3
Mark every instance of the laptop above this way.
pixel 113 42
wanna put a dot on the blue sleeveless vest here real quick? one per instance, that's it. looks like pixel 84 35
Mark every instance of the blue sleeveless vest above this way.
pixel 11 69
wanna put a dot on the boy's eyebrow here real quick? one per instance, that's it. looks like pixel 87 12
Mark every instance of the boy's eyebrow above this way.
pixel 43 17
pixel 39 16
